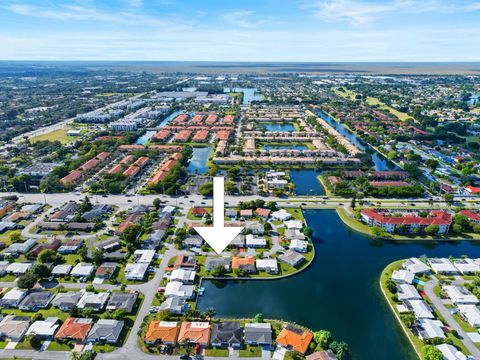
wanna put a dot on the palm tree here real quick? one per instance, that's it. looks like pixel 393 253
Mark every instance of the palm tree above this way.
pixel 210 313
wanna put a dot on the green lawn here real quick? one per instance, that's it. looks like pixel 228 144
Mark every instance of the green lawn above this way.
pixel 56 135
pixel 251 351
pixel 55 346
pixel 216 352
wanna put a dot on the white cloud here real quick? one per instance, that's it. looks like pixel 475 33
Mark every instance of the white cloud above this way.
pixel 361 12
pixel 245 19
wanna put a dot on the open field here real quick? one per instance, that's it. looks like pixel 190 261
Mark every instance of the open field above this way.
pixel 60 135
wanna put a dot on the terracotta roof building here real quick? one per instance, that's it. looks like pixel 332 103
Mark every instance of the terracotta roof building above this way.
pixel 195 332
pixel 74 329
pixel 165 332
pixel 295 339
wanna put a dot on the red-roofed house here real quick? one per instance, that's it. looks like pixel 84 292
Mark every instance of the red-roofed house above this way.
pixel 408 223
pixel 471 215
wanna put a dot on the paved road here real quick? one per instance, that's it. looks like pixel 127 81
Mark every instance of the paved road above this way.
pixel 438 304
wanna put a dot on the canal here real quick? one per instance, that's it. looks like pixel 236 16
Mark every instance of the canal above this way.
pixel 338 292
pixel 380 162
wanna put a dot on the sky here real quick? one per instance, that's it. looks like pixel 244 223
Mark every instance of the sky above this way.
pixel 247 30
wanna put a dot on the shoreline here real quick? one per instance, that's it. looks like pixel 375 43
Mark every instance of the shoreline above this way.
pixel 399 321
pixel 359 228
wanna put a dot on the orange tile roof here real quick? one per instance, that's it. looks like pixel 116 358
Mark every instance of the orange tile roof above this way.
pixel 238 261
pixel 72 177
pixel 142 161
pixel 72 328
pixel 103 155
pixel 262 212
pixel 194 332
pixel 298 341
pixel 131 171
pixel 131 147
pixel 116 169
pixel 90 164
pixel 162 331
pixel 127 159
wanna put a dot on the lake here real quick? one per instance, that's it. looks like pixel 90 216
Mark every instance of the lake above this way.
pixel 170 118
pixel 249 94
pixel 306 182
pixel 199 159
pixel 339 291
pixel 380 162
pixel 276 127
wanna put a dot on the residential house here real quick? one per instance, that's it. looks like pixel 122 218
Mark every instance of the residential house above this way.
pixel 246 213
pixel 61 270
pixel 407 292
pixel 186 276
pixel 267 265
pixel 213 262
pixel 322 355
pixel 291 258
pixel 416 266
pixel 174 305
pixel 254 227
pixel 442 266
pixel 96 301
pixel 82 270
pixel 67 300
pixel 75 329
pixel 177 288
pixel 105 331
pixel 403 276
pixel 13 298
pixel 281 215
pixel 263 213
pixel 246 264
pixel 459 295
pixel 295 339
pixel 258 334
pixel 428 329
pixel 467 266
pixel 143 256
pixel 226 334
pixel 70 247
pixel 300 246
pixel 45 329
pixel 450 352
pixel 13 327
pixel 185 261
pixel 294 224
pixel 195 333
pixel 106 270
pixel 419 308
pixel 470 313
pixel 136 271
pixel 162 332
pixel 122 301
pixel 254 242
pixel 18 269
pixel 36 300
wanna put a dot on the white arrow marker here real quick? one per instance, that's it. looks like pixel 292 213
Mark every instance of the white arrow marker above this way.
pixel 218 236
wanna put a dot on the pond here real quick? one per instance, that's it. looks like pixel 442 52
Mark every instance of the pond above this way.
pixel 276 127
pixel 380 162
pixel 249 94
pixel 339 291
pixel 306 182
pixel 199 159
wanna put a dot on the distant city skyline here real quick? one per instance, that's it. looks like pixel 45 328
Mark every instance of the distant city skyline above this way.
pixel 262 30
